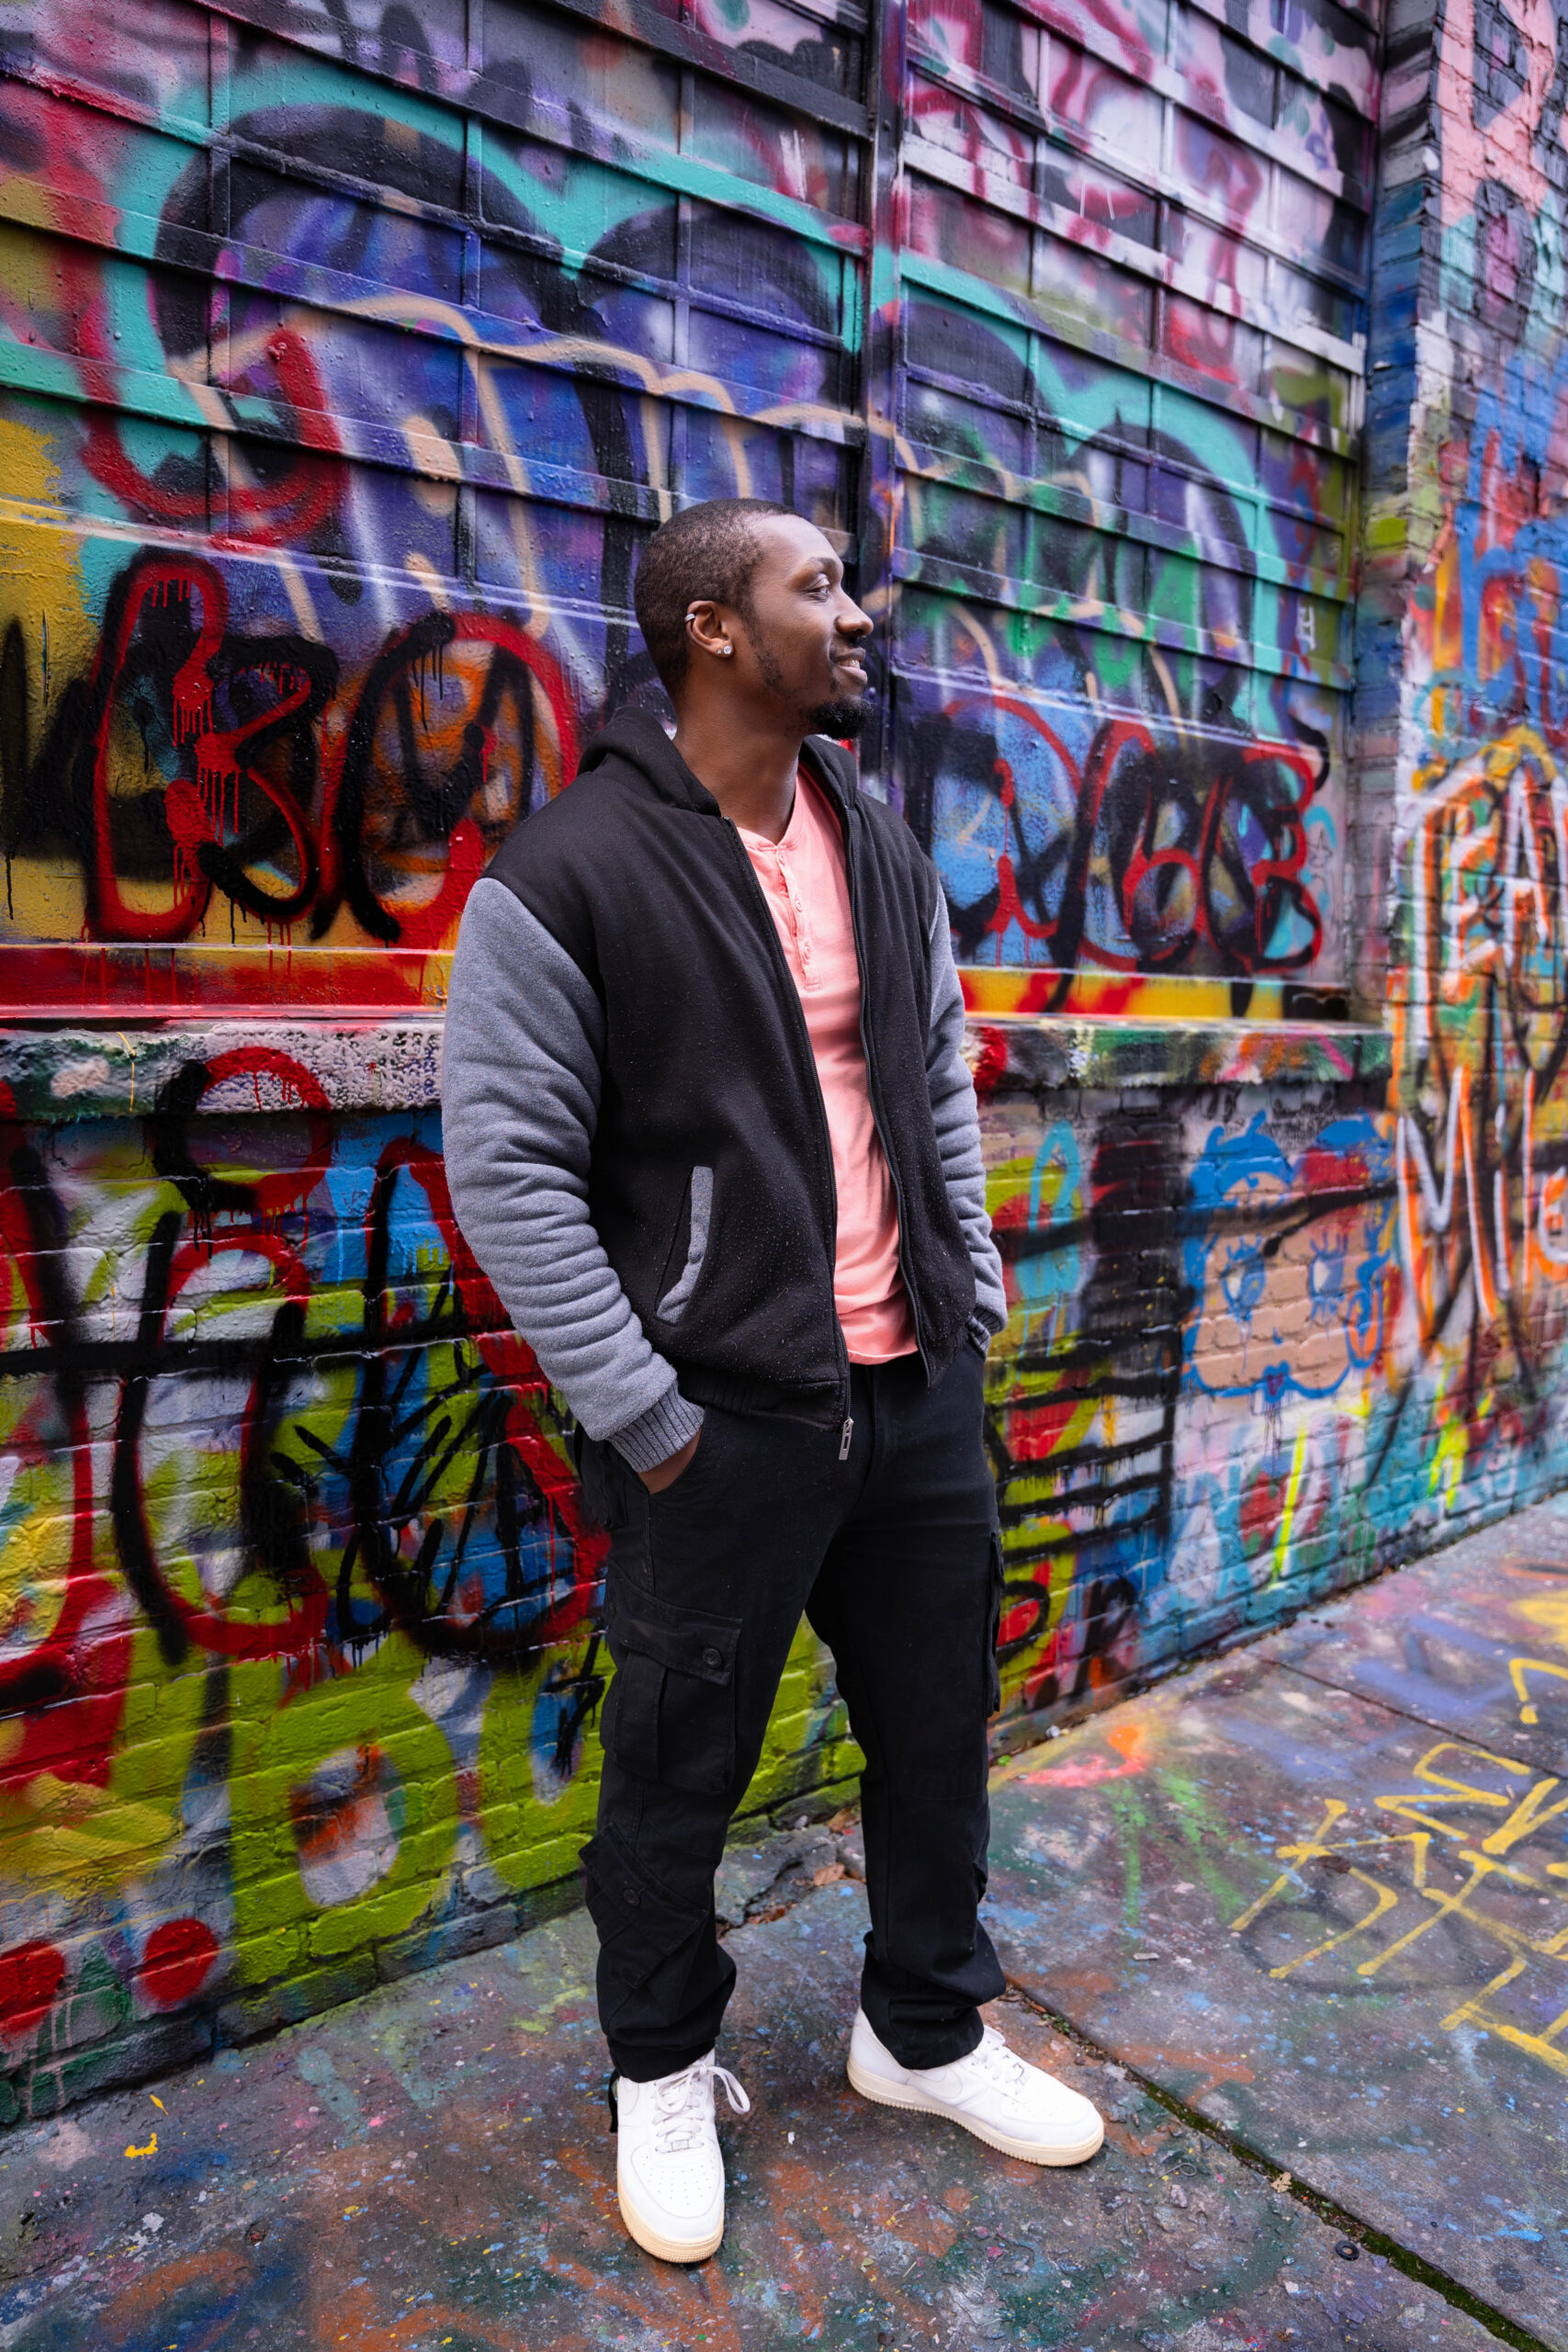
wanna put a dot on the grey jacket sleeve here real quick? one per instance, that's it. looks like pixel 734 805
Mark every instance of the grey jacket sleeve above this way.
pixel 520 1102
pixel 957 1120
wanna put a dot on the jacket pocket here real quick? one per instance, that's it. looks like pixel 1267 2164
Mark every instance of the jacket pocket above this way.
pixel 673 1305
pixel 994 1629
pixel 672 1701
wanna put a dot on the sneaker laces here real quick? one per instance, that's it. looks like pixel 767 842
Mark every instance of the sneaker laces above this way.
pixel 683 2105
pixel 1004 2066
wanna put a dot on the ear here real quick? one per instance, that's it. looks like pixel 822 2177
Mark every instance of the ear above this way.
pixel 708 631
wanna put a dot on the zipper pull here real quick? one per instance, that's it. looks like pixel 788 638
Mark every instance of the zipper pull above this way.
pixel 844 1436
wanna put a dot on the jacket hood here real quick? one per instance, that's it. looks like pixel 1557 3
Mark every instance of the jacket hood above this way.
pixel 635 739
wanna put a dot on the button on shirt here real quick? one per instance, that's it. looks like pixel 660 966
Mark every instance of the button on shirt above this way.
pixel 807 889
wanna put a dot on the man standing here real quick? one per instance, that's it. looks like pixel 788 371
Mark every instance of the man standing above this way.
pixel 710 1133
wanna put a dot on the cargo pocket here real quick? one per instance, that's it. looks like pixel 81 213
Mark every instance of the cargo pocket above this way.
pixel 673 1701
pixel 673 1305
pixel 641 1923
pixel 994 1630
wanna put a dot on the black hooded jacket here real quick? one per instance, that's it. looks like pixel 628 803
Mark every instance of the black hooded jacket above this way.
pixel 710 1174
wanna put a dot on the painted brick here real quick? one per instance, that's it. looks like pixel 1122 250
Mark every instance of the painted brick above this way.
pixel 1287 1291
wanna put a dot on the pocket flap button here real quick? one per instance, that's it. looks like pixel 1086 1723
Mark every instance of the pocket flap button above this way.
pixel 713 1659
pixel 630 1896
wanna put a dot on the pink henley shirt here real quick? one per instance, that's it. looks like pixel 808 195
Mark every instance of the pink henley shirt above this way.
pixel 804 881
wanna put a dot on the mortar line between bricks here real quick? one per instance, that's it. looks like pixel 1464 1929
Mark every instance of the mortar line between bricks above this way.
pixel 1403 2258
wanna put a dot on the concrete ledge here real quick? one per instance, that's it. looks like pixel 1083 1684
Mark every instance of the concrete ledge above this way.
pixel 252 1066
pixel 233 1068
pixel 1026 1054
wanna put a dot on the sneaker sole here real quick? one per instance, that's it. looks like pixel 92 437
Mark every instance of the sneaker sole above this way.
pixel 885 2094
pixel 666 2249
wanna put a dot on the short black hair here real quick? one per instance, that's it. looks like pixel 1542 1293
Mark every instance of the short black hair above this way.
pixel 706 552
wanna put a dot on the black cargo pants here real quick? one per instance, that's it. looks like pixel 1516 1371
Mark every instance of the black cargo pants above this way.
pixel 892 1555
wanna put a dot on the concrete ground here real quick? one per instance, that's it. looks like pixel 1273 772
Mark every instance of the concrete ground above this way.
pixel 1297 1921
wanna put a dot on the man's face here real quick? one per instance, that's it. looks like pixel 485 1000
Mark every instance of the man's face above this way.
pixel 798 641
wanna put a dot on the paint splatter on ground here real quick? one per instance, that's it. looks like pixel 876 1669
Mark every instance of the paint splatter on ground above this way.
pixel 1321 1892
pixel 432 2167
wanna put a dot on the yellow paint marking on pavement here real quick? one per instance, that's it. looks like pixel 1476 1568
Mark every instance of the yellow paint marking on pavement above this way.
pixel 1528 1814
pixel 1387 1897
pixel 1518 1667
pixel 1334 1810
pixel 1540 2045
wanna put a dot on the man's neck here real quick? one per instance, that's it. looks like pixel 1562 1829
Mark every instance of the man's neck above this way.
pixel 749 771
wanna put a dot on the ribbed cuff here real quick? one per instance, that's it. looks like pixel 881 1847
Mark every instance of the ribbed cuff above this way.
pixel 662 1431
pixel 979 1334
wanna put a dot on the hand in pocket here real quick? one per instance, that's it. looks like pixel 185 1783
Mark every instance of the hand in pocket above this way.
pixel 665 1474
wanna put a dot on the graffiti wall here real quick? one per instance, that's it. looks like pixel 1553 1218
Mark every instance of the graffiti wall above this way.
pixel 1128 271
pixel 299 1653
pixel 299 1663
pixel 1478 817
pixel 350 351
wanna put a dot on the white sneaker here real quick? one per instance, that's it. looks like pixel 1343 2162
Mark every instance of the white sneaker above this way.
pixel 993 2093
pixel 669 2171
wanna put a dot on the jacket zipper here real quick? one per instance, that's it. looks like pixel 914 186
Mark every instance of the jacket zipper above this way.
pixel 824 1139
pixel 873 1090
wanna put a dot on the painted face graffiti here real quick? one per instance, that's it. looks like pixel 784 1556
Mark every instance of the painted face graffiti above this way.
pixel 1292 1262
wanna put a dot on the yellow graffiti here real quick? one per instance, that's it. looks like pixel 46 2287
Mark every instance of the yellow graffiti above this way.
pixel 1518 1668
pixel 1287 1516
pixel 1370 1860
pixel 1308 1851
pixel 1537 2046
pixel 1548 1610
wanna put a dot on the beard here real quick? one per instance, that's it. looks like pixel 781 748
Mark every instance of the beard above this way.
pixel 843 719
pixel 842 715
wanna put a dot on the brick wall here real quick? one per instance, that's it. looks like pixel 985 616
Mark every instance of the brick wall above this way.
pixel 348 356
